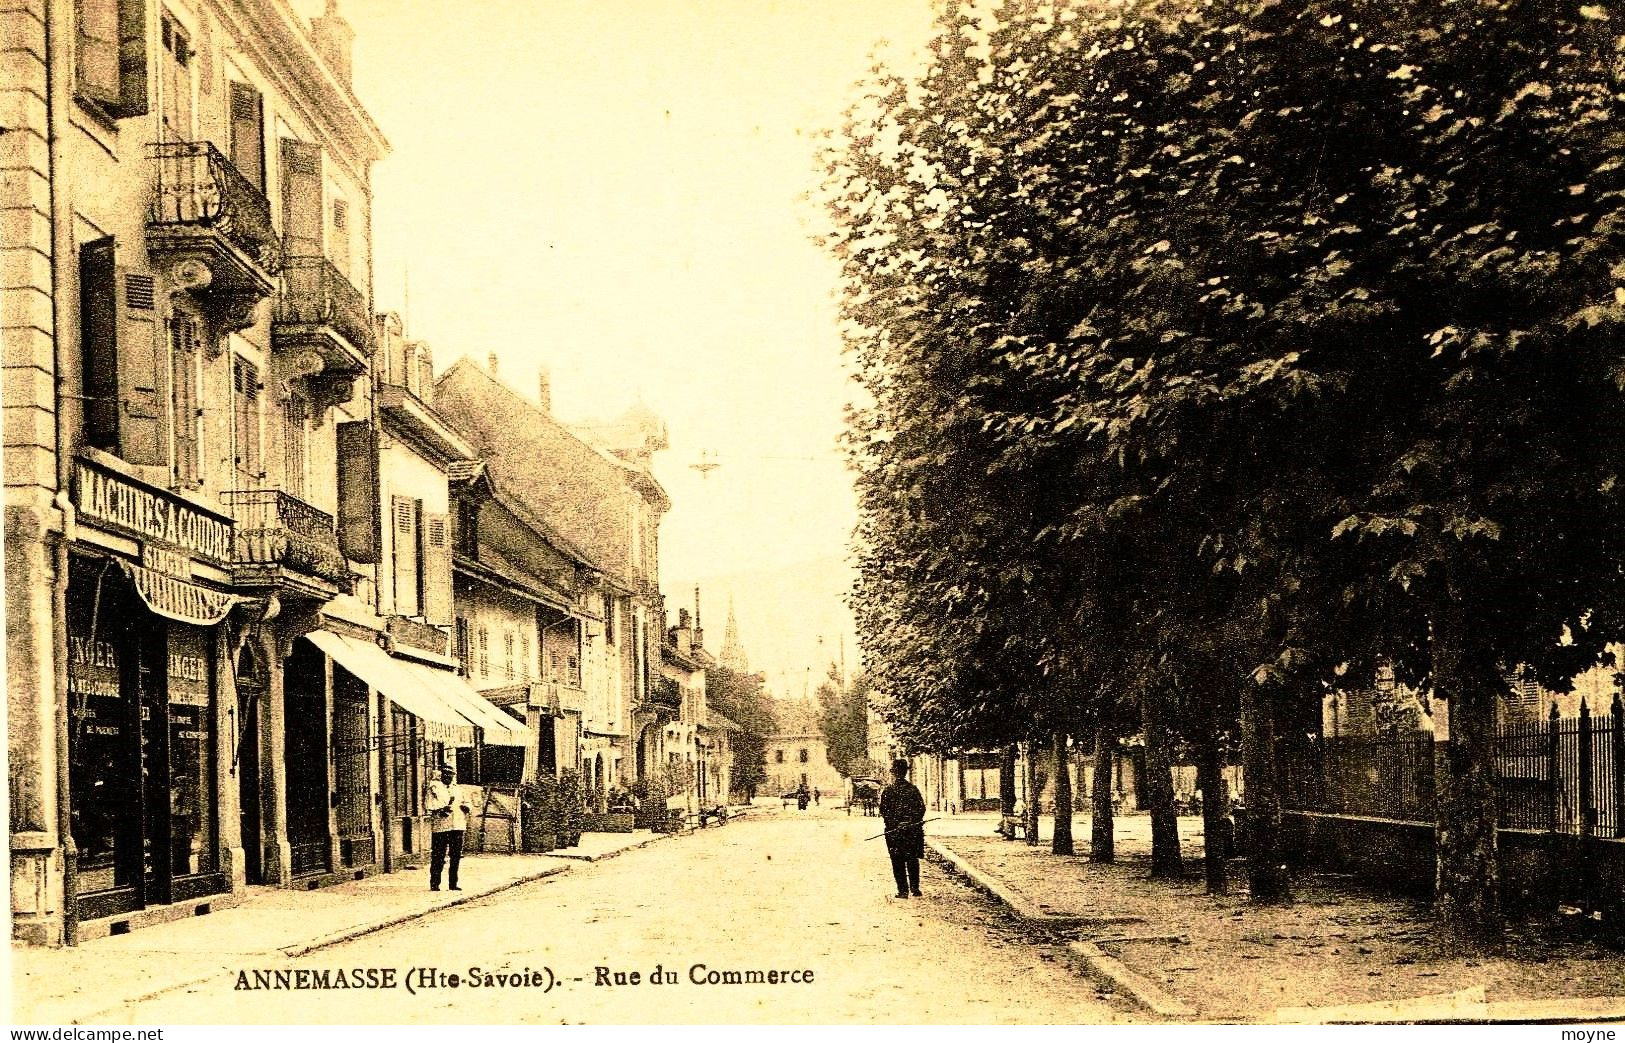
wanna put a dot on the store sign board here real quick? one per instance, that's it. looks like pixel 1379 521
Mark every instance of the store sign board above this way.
pixel 100 495
pixel 168 562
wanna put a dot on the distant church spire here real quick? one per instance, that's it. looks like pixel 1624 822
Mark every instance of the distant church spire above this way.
pixel 733 653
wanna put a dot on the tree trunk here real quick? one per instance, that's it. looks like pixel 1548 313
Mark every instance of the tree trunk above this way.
pixel 1467 895
pixel 1267 880
pixel 1101 848
pixel 1215 806
pixel 1029 822
pixel 1159 790
pixel 1062 842
pixel 1007 792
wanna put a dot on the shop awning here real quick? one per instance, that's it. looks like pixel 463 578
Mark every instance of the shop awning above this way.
pixel 374 666
pixel 423 691
pixel 500 729
pixel 177 599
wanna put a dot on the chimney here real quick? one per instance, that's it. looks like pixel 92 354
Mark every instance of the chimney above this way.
pixel 683 633
pixel 491 363
pixel 544 390
pixel 333 38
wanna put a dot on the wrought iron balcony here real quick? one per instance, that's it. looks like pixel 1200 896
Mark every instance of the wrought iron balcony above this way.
pixel 274 528
pixel 316 294
pixel 213 227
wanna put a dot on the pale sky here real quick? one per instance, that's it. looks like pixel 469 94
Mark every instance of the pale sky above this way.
pixel 611 188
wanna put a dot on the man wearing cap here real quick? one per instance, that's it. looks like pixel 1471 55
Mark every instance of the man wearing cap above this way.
pixel 902 809
pixel 448 810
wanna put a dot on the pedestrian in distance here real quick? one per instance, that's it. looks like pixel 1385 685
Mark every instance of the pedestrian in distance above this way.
pixel 902 809
pixel 816 794
pixel 448 813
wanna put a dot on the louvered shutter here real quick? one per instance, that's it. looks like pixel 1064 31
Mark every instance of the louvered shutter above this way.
pixel 358 492
pixel 465 653
pixel 99 53
pixel 404 526
pixel 248 133
pixel 132 57
pixel 142 371
pixel 185 339
pixel 437 569
pixel 301 198
pixel 98 329
pixel 246 416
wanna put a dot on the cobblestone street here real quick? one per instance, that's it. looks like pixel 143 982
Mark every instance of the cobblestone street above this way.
pixel 789 891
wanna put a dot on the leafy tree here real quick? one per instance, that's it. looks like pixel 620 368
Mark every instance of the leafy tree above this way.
pixel 843 717
pixel 741 698
pixel 1321 302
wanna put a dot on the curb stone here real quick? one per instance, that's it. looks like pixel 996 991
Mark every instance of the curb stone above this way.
pixel 1019 904
pixel 1142 989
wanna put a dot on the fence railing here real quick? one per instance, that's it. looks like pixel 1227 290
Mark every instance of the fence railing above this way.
pixel 315 292
pixel 1561 775
pixel 198 187
pixel 275 528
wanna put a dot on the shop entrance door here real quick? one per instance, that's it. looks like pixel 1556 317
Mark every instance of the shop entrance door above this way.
pixel 305 712
pixel 353 786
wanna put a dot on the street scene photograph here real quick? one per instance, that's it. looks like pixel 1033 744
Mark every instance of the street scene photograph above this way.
pixel 814 512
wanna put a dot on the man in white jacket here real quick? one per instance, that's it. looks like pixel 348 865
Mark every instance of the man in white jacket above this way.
pixel 448 810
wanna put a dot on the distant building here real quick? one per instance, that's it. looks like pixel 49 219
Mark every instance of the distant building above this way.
pixel 797 754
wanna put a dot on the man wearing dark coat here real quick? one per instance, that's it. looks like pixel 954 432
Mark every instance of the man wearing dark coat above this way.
pixel 902 809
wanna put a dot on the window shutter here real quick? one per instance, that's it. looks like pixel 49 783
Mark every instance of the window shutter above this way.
pixel 341 236
pixel 437 569
pixel 185 339
pixel 301 198
pixel 358 492
pixel 246 403
pixel 460 642
pixel 404 525
pixel 132 57
pixel 99 344
pixel 142 378
pixel 99 52
pixel 248 133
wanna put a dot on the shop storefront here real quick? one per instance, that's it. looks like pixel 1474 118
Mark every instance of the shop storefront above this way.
pixel 147 736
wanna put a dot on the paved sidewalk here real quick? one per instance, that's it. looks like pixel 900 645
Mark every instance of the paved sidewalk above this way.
pixel 48 985
pixel 1339 953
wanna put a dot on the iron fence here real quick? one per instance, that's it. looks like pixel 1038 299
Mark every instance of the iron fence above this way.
pixel 198 187
pixel 1560 775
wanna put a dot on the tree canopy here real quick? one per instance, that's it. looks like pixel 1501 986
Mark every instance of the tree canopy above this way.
pixel 1244 340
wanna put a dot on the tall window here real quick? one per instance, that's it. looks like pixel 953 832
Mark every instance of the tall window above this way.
pixel 176 83
pixel 110 59
pixel 296 448
pixel 464 649
pixel 507 654
pixel 485 651
pixel 185 338
pixel 803 756
pixel 524 656
pixel 245 412
pixel 338 240
pixel 407 513
pixel 248 133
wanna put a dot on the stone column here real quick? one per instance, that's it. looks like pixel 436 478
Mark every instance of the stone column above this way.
pixel 274 762
pixel 228 734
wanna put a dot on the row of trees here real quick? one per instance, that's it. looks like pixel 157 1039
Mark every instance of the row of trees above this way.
pixel 1215 353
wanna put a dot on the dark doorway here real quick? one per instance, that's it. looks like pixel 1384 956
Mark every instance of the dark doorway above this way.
pixel 305 730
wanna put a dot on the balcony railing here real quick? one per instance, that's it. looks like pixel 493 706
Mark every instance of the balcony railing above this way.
pixel 316 293
pixel 274 528
pixel 198 188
